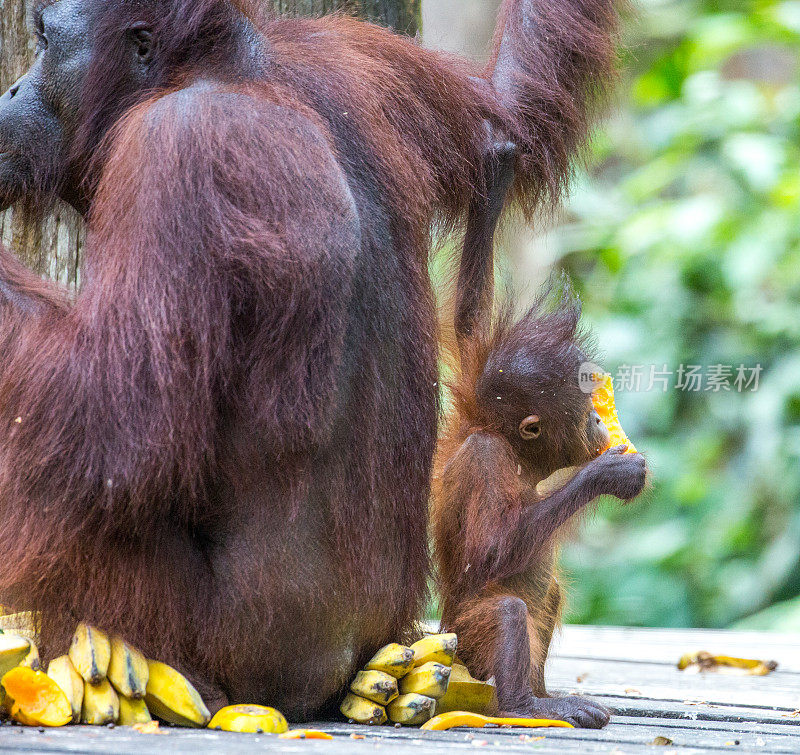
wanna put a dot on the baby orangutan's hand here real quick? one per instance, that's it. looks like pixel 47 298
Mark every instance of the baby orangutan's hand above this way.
pixel 617 473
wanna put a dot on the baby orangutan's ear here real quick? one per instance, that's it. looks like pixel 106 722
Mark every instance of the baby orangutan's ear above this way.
pixel 530 428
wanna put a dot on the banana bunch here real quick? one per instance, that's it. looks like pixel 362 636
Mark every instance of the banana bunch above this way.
pixel 99 681
pixel 402 684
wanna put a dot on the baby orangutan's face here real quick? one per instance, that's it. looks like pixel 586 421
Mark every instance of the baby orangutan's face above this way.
pixel 550 444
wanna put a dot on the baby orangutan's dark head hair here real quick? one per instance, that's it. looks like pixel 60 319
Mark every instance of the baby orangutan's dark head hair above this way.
pixel 520 378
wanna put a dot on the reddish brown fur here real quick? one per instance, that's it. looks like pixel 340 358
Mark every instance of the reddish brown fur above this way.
pixel 232 426
pixel 551 63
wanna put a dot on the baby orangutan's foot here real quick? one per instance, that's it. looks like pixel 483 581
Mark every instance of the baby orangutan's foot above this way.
pixel 578 711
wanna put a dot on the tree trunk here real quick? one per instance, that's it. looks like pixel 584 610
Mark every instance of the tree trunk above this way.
pixel 54 247
pixel 402 15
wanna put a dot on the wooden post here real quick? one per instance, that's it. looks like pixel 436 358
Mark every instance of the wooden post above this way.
pixel 54 247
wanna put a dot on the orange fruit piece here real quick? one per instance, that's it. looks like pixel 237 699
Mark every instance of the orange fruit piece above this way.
pixel 603 400
pixel 304 734
pixel 37 699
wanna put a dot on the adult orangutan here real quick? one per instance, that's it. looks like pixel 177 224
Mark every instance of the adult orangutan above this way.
pixel 221 448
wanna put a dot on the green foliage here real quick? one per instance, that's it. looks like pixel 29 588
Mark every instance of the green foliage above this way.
pixel 780 617
pixel 684 241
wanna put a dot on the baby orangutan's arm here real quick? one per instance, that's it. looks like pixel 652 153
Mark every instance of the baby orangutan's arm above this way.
pixel 506 524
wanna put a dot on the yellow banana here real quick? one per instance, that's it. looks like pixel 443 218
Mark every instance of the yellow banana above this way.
pixel 133 712
pixel 395 660
pixel 100 704
pixel 377 686
pixel 411 709
pixel 90 653
pixel 430 680
pixel 127 670
pixel 362 711
pixel 13 650
pixel 63 673
pixel 172 698
pixel 436 648
pixel 249 719
pixel 466 693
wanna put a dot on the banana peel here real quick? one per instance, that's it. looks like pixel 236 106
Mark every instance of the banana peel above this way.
pixel 63 673
pixel 128 671
pixel 465 693
pixel 454 719
pixel 249 719
pixel 172 698
pixel 704 661
pixel 24 624
pixel 556 481
pixel 90 653
pixel 13 650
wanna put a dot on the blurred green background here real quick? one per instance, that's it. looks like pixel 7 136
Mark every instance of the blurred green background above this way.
pixel 683 239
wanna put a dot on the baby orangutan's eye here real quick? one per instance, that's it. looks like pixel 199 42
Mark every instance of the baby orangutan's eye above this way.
pixel 530 427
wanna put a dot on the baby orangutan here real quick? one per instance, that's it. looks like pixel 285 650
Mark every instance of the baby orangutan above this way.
pixel 519 418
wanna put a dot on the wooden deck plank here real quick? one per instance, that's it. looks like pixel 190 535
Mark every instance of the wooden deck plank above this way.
pixel 668 645
pixel 675 709
pixel 661 682
pixel 624 735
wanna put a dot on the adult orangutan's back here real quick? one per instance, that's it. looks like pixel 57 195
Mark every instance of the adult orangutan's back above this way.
pixel 221 449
